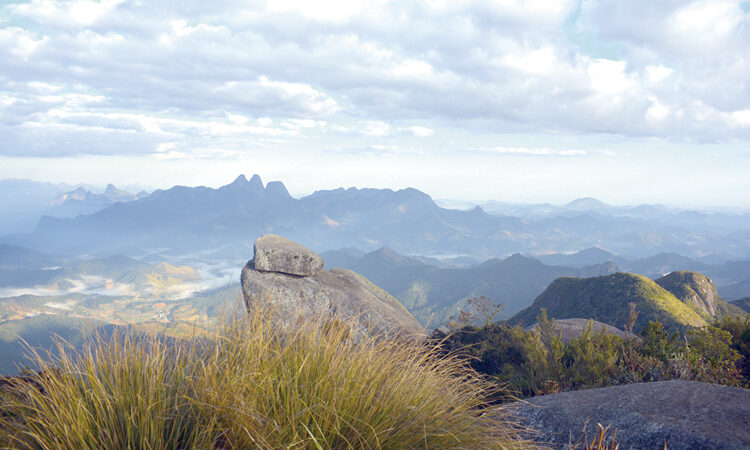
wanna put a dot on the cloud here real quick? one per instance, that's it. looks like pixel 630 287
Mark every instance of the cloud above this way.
pixel 115 76
pixel 379 129
pixel 524 151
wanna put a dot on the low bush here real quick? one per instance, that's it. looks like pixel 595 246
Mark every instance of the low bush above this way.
pixel 251 386
pixel 537 362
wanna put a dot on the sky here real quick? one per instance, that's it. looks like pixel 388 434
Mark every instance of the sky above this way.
pixel 509 100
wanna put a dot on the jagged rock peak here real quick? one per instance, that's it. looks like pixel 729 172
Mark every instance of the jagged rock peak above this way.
pixel 274 253
pixel 256 182
pixel 241 184
pixel 240 180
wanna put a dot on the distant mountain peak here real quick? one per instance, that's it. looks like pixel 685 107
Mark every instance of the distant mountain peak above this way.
pixel 79 194
pixel 277 189
pixel 516 257
pixel 274 189
pixel 255 181
pixel 393 258
pixel 241 184
pixel 586 203
pixel 240 180
pixel 385 250
pixel 592 251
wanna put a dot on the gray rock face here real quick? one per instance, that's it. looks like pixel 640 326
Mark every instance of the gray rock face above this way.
pixel 692 288
pixel 303 290
pixel 684 414
pixel 274 253
pixel 568 329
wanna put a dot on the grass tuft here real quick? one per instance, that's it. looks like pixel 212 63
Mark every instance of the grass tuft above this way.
pixel 250 385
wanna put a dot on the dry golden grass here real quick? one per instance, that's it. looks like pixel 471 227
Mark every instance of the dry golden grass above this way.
pixel 250 385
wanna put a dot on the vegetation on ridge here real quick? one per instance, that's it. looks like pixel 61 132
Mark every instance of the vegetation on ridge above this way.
pixel 538 362
pixel 252 386
pixel 607 300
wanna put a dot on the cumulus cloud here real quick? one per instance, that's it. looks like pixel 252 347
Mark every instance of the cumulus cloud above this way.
pixel 111 76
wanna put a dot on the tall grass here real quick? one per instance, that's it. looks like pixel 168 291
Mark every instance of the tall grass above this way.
pixel 250 385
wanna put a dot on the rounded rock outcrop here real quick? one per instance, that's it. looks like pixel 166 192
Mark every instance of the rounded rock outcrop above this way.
pixel 569 329
pixel 274 253
pixel 290 279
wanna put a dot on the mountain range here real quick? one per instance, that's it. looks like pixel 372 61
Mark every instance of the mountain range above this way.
pixel 82 201
pixel 24 202
pixel 432 289
pixel 433 294
pixel 223 222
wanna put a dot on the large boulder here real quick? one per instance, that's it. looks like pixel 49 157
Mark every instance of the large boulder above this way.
pixel 684 414
pixel 274 253
pixel 290 278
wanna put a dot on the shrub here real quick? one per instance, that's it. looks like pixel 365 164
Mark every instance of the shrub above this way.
pixel 711 357
pixel 477 311
pixel 510 356
pixel 250 386
pixel 538 362
pixel 552 348
pixel 590 360
pixel 658 343
pixel 739 329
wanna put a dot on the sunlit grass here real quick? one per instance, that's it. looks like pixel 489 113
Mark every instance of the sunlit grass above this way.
pixel 250 385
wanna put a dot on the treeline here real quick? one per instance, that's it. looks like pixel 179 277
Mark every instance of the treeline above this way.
pixel 529 363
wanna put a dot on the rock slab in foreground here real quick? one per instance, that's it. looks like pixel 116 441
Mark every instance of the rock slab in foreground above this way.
pixel 685 414
pixel 274 253
pixel 338 292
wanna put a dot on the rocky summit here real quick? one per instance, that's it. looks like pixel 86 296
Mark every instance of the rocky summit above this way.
pixel 694 289
pixel 682 414
pixel 290 278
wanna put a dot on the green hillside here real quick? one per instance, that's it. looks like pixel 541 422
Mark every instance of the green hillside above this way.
pixel 607 300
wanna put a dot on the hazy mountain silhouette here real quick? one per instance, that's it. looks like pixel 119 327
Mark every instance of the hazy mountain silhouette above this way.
pixel 586 257
pixel 187 220
pixel 81 201
pixel 663 263
pixel 22 203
